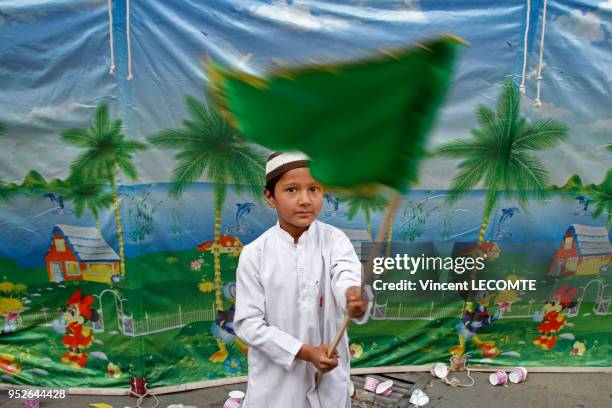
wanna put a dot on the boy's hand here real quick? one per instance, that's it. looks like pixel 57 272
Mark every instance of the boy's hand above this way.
pixel 355 306
pixel 318 357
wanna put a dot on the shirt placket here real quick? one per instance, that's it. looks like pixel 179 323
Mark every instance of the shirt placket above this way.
pixel 303 289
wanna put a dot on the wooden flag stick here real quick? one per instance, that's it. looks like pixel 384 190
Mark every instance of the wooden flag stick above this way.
pixel 380 235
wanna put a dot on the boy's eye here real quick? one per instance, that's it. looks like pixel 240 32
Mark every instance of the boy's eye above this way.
pixel 291 189
pixel 314 188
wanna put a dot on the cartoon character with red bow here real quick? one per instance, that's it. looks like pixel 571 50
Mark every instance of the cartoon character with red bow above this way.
pixel 554 319
pixel 78 336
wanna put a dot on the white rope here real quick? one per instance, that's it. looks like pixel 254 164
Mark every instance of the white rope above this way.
pixel 139 402
pixel 110 38
pixel 455 382
pixel 522 86
pixel 458 365
pixel 127 34
pixel 141 398
pixel 538 102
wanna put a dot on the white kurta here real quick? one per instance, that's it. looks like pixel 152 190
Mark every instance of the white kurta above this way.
pixel 289 294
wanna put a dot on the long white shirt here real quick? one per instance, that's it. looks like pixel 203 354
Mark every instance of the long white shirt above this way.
pixel 288 294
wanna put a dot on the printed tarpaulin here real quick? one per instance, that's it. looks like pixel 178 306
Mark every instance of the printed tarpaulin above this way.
pixel 125 198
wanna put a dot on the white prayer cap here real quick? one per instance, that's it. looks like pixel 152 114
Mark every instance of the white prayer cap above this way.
pixel 279 163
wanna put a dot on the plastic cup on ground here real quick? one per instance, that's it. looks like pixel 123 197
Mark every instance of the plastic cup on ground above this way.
pixel 498 378
pixel 385 388
pixel 439 370
pixel 518 375
pixel 370 384
pixel 232 403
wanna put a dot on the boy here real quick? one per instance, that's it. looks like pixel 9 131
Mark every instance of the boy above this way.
pixel 294 283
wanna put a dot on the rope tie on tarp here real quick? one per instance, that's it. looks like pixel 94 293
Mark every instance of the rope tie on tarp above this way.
pixel 127 36
pixel 525 46
pixel 538 102
pixel 110 38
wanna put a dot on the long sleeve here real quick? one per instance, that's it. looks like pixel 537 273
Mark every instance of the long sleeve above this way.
pixel 249 321
pixel 345 271
pixel 368 295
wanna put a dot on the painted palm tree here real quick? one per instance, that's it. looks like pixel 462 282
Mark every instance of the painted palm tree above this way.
pixel 208 148
pixel 88 194
pixel 366 204
pixel 500 154
pixel 107 152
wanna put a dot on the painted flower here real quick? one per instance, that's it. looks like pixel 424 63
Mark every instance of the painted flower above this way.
pixel 232 365
pixel 578 349
pixel 356 350
pixel 196 265
pixel 206 287
pixel 10 305
pixel 113 370
pixel 6 287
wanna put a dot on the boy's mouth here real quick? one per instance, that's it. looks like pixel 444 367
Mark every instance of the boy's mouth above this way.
pixel 303 212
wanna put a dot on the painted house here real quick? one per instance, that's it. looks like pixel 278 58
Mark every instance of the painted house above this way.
pixel 228 244
pixel 584 250
pixel 80 253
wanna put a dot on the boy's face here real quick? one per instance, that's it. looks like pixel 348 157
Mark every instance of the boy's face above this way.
pixel 297 198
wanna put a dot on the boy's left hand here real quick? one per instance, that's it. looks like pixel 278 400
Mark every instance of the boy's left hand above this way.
pixel 355 306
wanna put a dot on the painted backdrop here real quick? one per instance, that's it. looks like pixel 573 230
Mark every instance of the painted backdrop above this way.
pixel 120 230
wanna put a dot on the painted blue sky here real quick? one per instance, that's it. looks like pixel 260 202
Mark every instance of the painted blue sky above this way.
pixel 55 58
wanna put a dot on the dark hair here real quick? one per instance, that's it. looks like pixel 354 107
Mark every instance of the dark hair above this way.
pixel 271 184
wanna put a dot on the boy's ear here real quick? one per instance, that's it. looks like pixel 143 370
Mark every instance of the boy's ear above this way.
pixel 269 198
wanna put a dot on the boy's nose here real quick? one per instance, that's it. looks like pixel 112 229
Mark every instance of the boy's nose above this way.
pixel 304 198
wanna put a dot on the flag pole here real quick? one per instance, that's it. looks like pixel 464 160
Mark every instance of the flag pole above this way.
pixel 380 235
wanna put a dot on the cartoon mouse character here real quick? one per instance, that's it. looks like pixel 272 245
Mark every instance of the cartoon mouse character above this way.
pixel 78 336
pixel 554 318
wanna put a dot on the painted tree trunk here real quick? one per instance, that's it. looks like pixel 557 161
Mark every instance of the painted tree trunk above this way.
pixel 217 259
pixel 389 238
pixel 119 229
pixel 490 202
pixel 99 226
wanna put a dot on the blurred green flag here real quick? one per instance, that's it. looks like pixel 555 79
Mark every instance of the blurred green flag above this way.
pixel 360 123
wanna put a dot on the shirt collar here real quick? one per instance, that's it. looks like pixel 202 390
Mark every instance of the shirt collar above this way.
pixel 285 236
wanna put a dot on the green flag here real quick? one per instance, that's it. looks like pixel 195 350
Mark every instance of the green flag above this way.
pixel 360 123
